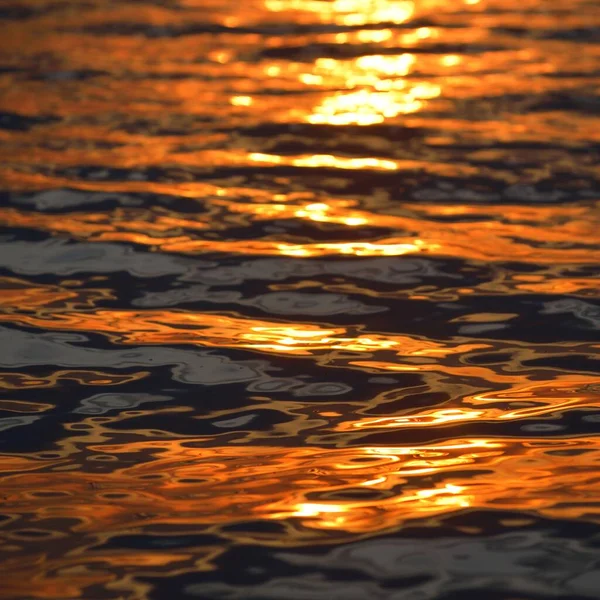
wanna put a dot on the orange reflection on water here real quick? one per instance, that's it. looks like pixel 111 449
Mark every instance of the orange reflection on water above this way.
pixel 508 231
pixel 19 381
pixel 422 419
pixel 182 109
pixel 367 108
pixel 349 12
pixel 379 90
pixel 21 294
pixel 377 87
pixel 385 247
pixel 216 330
pixel 349 515
pixel 326 160
pixel 317 494
pixel 546 399
pixel 91 224
pixel 559 285
pixel 202 485
pixel 387 99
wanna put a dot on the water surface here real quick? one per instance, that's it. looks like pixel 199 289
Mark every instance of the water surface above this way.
pixel 299 299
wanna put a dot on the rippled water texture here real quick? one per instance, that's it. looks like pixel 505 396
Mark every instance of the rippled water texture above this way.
pixel 299 299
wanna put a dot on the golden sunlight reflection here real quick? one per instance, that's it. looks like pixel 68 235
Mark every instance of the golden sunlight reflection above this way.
pixel 218 330
pixel 546 399
pixel 297 277
pixel 379 89
pixel 326 160
pixel 509 230
pixel 316 494
pixel 385 247
pixel 350 12
pixel 326 345
pixel 372 88
pixel 342 516
pixel 519 401
pixel 363 108
pixel 319 487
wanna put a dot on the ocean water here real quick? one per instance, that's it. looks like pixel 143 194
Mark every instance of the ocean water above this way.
pixel 299 299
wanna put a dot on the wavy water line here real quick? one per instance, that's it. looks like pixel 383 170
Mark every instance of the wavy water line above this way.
pixel 299 299
pixel 490 241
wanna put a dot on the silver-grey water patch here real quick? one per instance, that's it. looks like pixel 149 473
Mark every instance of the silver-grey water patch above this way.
pixel 100 404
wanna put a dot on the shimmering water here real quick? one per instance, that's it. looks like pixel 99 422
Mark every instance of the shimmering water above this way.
pixel 299 299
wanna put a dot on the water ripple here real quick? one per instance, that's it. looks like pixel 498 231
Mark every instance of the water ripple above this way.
pixel 299 299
